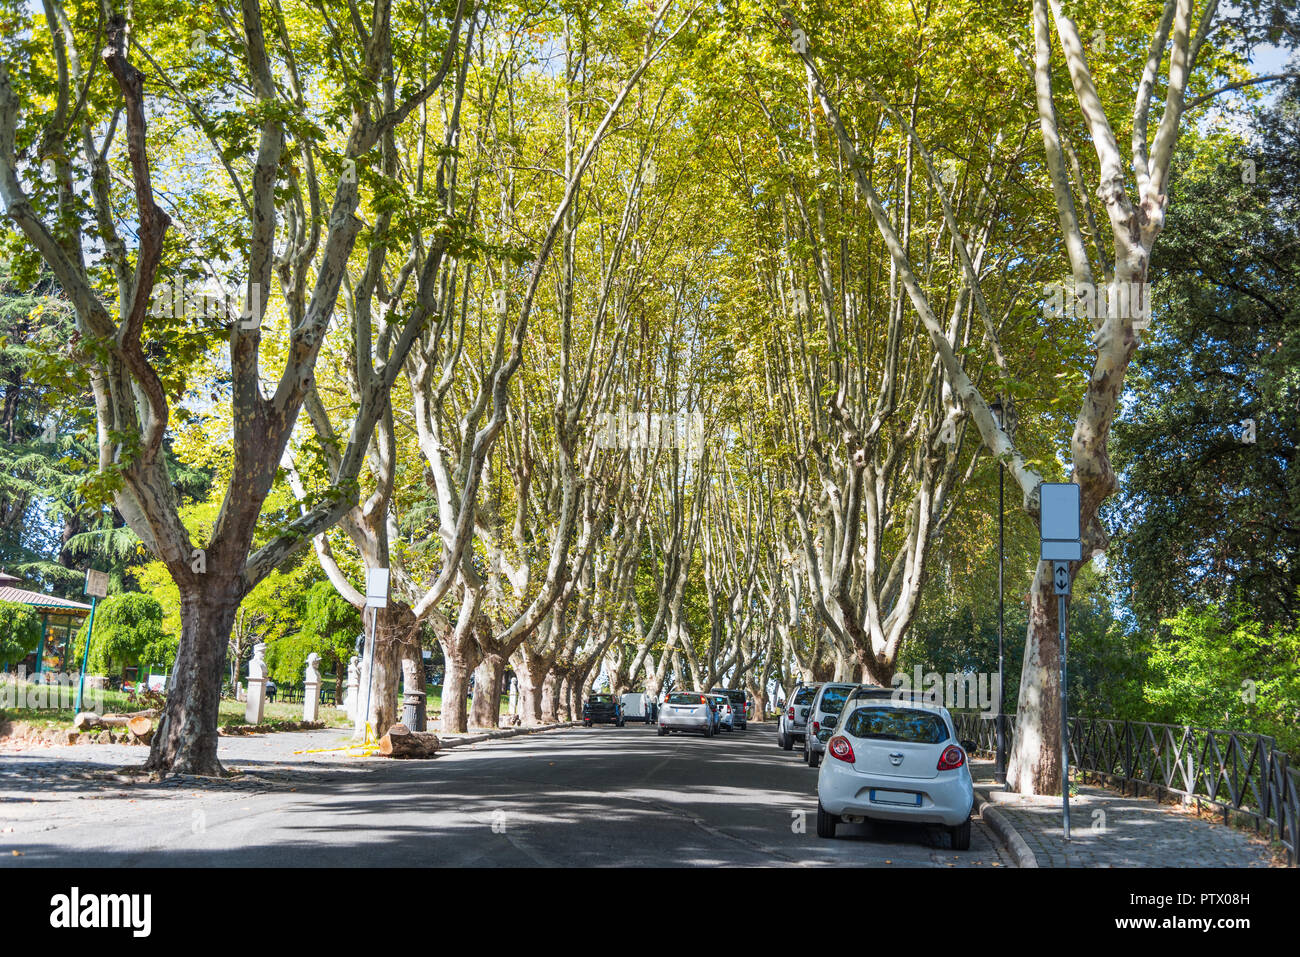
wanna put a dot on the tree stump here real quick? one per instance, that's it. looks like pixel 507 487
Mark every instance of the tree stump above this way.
pixel 141 727
pixel 402 742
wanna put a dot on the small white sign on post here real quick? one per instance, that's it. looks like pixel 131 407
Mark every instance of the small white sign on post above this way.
pixel 96 583
pixel 1058 522
pixel 377 588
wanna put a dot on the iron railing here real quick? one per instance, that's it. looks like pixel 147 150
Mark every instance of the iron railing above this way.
pixel 1230 770
pixel 294 694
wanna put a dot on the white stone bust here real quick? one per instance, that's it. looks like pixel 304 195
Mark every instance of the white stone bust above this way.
pixel 354 670
pixel 312 674
pixel 257 667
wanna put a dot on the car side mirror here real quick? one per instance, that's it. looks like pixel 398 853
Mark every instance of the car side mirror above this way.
pixel 968 745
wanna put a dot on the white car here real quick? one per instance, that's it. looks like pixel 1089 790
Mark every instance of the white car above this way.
pixel 686 711
pixel 726 718
pixel 895 760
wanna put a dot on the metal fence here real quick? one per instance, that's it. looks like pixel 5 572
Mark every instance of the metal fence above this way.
pixel 1230 770
pixel 295 694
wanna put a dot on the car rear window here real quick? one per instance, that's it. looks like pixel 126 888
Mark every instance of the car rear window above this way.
pixel 897 724
pixel 684 698
pixel 805 695
pixel 833 698
pixel 600 699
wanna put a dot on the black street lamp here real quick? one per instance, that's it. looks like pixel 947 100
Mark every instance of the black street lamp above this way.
pixel 1000 767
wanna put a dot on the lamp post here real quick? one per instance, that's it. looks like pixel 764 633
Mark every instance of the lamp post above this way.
pixel 1000 765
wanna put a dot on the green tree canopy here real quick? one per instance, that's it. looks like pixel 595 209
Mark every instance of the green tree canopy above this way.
pixel 330 626
pixel 128 627
pixel 1210 446
pixel 20 632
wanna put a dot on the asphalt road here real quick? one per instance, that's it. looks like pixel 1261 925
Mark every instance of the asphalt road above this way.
pixel 600 796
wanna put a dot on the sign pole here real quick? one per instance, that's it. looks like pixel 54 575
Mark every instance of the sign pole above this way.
pixel 96 587
pixel 85 655
pixel 1061 543
pixel 1065 727
pixel 376 598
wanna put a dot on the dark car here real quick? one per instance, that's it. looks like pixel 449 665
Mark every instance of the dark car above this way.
pixel 602 709
pixel 739 705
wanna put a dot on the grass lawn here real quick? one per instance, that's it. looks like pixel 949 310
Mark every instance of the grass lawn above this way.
pixel 230 712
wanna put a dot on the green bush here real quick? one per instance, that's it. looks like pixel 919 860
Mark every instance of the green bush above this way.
pixel 1220 668
pixel 128 628
pixel 330 626
pixel 20 631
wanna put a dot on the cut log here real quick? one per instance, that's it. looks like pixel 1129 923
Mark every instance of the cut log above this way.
pixel 141 726
pixel 402 742
pixel 88 721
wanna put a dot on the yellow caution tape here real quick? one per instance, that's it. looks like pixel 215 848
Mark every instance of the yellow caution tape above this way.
pixel 366 747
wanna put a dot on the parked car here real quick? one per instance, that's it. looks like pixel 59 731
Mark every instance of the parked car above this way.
pixel 794 719
pixel 822 715
pixel 638 706
pixel 740 705
pixel 602 709
pixel 725 713
pixel 687 711
pixel 895 760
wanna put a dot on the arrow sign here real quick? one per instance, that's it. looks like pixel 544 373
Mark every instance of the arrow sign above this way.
pixel 1061 577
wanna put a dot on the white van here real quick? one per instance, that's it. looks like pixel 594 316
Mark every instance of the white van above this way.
pixel 638 705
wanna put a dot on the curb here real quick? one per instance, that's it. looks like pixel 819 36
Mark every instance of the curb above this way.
pixel 503 733
pixel 1006 832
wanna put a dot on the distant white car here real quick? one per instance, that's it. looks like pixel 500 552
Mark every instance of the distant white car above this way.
pixel 687 711
pixel 725 716
pixel 892 760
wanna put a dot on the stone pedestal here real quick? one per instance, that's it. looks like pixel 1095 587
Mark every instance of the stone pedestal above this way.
pixel 354 685
pixel 255 705
pixel 311 701
pixel 256 685
pixel 311 688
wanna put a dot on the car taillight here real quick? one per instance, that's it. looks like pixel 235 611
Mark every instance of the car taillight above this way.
pixel 702 701
pixel 952 757
pixel 792 712
pixel 840 748
pixel 817 726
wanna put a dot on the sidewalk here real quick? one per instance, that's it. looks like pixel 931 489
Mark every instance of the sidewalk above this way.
pixel 1110 830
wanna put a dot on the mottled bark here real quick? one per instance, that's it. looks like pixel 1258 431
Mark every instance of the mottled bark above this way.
pixel 186 739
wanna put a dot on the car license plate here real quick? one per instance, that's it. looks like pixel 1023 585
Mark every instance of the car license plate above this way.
pixel 912 798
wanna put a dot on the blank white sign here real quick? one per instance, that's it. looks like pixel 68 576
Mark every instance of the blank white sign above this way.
pixel 96 583
pixel 1059 516
pixel 377 588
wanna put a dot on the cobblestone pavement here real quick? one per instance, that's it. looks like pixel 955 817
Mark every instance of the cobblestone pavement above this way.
pixel 1108 829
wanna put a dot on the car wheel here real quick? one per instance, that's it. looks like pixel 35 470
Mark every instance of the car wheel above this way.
pixel 662 731
pixel 826 822
pixel 814 758
pixel 961 836
pixel 785 743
